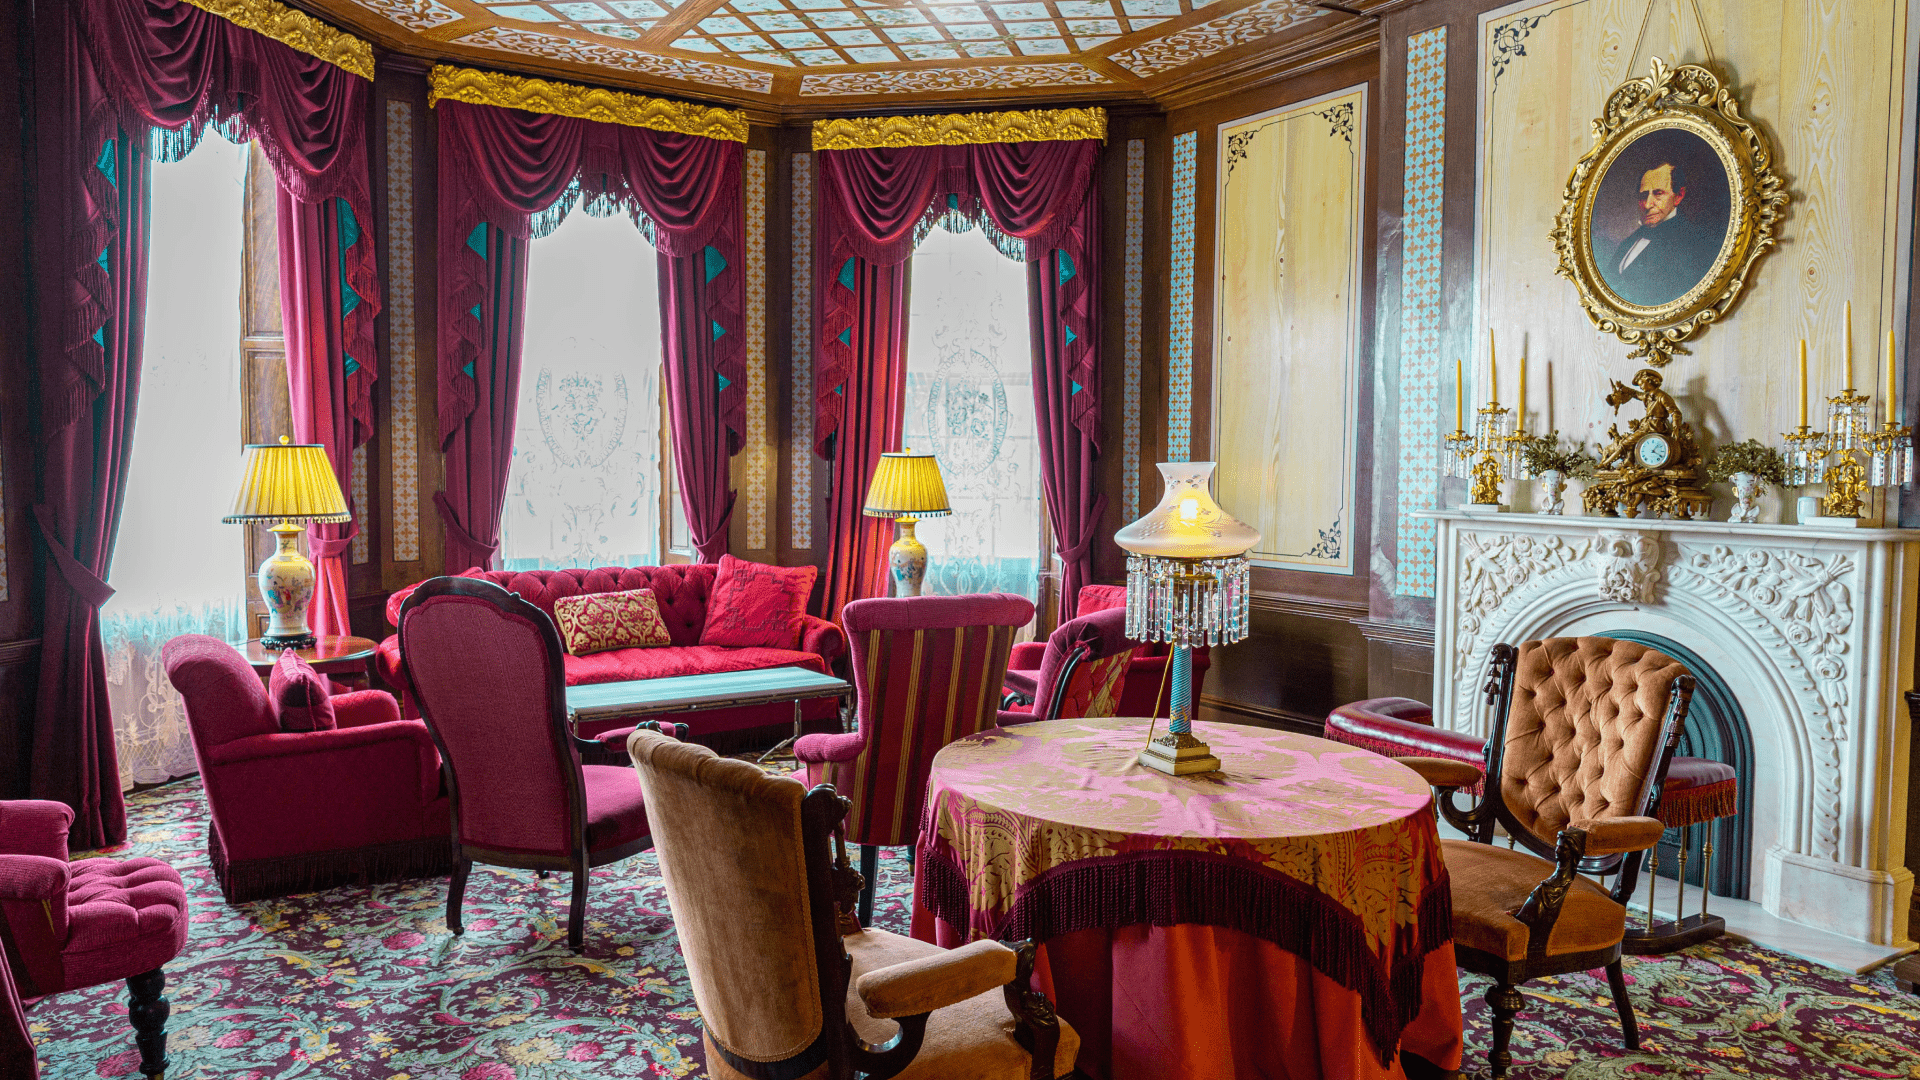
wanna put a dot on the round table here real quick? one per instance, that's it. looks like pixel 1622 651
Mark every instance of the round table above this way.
pixel 1286 916
pixel 332 654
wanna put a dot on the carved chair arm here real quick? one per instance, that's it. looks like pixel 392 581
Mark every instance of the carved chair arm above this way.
pixel 1615 836
pixel 1542 907
pixel 1445 774
pixel 936 981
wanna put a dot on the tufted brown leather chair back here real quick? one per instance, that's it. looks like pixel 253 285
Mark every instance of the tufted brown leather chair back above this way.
pixel 1583 736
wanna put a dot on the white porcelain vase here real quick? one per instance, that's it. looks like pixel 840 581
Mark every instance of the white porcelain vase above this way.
pixel 1746 498
pixel 1553 483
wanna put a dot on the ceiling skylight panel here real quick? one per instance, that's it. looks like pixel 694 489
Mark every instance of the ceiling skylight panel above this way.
pixel 930 52
pixel 986 48
pixel 781 20
pixel 872 55
pixel 854 37
pixel 1043 46
pixel 818 57
pixel 525 13
pixel 801 40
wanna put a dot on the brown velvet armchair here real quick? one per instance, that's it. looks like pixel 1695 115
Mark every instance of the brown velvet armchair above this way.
pixel 788 984
pixel 1583 732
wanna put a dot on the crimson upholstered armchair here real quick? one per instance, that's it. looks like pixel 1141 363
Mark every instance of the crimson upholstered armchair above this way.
pixel 485 666
pixel 1079 672
pixel 295 811
pixel 787 985
pixel 70 925
pixel 926 670
pixel 1146 691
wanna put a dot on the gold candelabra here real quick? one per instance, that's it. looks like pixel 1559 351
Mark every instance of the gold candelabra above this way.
pixel 1851 456
pixel 1488 455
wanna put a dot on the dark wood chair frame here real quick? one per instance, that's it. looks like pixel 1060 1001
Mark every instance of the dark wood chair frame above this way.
pixel 1568 853
pixel 1078 656
pixel 831 887
pixel 567 749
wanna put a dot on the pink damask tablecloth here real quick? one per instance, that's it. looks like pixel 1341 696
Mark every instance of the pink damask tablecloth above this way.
pixel 1326 851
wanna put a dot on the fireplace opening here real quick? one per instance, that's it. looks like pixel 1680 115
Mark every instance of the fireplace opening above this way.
pixel 1716 729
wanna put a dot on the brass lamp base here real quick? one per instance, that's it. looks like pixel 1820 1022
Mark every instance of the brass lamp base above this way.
pixel 1179 755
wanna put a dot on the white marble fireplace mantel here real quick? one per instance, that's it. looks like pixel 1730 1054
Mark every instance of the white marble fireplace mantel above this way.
pixel 1811 627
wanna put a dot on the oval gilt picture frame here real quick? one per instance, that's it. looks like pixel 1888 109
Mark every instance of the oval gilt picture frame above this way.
pixel 1663 219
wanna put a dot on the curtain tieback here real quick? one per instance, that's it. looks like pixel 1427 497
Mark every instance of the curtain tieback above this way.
pixel 84 582
pixel 1073 553
pixel 324 548
pixel 459 531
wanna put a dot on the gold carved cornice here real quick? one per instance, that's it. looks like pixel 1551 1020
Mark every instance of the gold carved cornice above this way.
pixel 959 129
pixel 476 87
pixel 296 30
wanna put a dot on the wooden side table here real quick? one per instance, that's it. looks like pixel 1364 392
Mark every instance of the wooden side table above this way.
pixel 336 655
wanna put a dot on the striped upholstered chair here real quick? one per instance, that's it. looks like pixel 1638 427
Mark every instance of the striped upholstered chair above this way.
pixel 926 671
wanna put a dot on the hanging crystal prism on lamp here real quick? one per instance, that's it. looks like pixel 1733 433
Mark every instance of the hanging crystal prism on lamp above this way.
pixel 292 484
pixel 1187 586
pixel 907 487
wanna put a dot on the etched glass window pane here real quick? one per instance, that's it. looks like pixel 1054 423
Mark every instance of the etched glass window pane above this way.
pixel 970 401
pixel 176 567
pixel 584 486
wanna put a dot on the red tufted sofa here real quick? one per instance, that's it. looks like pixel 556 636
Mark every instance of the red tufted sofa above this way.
pixel 682 593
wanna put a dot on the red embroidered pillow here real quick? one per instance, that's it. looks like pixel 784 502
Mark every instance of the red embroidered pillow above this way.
pixel 596 622
pixel 753 604
pixel 300 695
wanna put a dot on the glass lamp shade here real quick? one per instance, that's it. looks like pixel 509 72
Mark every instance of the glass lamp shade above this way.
pixel 1187 572
pixel 907 485
pixel 288 482
pixel 1187 523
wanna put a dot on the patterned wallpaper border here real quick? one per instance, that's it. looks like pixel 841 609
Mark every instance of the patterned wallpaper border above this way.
pixel 1420 310
pixel 759 453
pixel 403 398
pixel 1133 270
pixel 1186 163
pixel 800 443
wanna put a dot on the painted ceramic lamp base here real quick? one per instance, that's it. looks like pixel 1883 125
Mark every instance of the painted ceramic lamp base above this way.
pixel 907 560
pixel 286 582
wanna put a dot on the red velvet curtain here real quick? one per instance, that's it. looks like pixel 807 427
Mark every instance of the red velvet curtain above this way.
pixel 868 302
pixel 875 204
pixel 327 303
pixel 505 175
pixel 91 219
pixel 131 67
pixel 179 68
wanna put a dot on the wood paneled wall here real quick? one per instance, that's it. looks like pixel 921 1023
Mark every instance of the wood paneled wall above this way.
pixel 1305 653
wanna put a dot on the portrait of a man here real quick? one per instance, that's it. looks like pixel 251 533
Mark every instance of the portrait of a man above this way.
pixel 1660 218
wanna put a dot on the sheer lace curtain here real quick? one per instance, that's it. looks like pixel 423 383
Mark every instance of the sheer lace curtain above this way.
pixel 176 569
pixel 970 401
pixel 584 487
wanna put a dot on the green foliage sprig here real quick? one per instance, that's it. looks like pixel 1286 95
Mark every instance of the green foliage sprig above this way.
pixel 1750 456
pixel 1542 453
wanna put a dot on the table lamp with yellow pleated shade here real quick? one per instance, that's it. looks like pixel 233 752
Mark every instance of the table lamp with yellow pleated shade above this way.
pixel 907 487
pixel 291 484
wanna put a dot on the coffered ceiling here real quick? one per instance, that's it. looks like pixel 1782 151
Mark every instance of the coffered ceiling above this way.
pixel 832 55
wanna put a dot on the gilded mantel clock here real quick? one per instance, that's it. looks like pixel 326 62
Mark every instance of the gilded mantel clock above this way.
pixel 1654 465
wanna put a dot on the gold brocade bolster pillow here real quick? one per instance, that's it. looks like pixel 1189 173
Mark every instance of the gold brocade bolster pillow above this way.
pixel 596 622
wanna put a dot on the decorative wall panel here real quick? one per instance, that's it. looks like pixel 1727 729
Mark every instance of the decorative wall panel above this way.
pixel 800 443
pixel 1180 299
pixel 1420 308
pixel 1290 207
pixel 759 451
pixel 362 540
pixel 402 388
pixel 1132 270
pixel 1831 84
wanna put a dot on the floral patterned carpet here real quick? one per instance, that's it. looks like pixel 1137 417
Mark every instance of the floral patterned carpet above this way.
pixel 368 983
